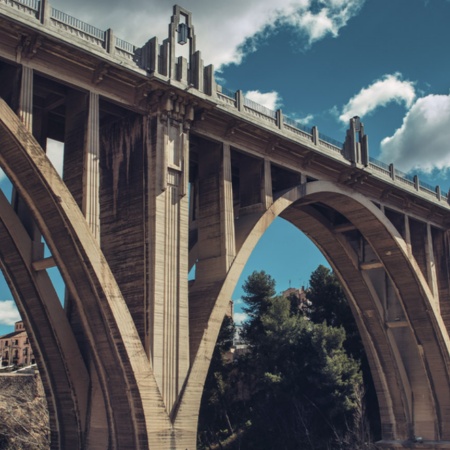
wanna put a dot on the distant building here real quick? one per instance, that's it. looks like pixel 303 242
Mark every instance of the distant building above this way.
pixel 300 296
pixel 15 349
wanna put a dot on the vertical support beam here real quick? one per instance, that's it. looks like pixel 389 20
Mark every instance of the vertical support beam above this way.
pixel 267 195
pixel 168 321
pixel 26 116
pixel 408 235
pixel 431 266
pixel 216 241
pixel 91 172
pixel 226 208
pixel 26 98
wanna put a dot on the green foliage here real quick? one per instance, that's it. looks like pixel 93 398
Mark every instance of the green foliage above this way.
pixel 296 387
pixel 329 304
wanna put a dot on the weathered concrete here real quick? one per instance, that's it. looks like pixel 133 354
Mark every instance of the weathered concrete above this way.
pixel 164 171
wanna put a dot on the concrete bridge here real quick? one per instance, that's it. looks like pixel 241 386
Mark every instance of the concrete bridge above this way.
pixel 164 171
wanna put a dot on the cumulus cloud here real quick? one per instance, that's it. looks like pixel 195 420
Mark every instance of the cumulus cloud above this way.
pixel 239 318
pixel 304 120
pixel 222 28
pixel 270 100
pixel 328 19
pixel 8 312
pixel 422 142
pixel 390 88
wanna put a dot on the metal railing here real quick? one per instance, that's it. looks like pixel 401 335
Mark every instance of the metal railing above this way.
pixel 378 163
pixel 295 124
pixel 72 22
pixel 324 137
pixel 259 108
pixel 228 92
pixel 125 46
pixel 404 176
pixel 32 4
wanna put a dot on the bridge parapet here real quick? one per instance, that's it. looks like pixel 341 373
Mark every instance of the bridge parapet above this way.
pixel 161 63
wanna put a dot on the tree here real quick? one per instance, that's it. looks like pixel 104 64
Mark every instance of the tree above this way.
pixel 302 390
pixel 330 305
pixel 217 399
pixel 304 386
pixel 259 291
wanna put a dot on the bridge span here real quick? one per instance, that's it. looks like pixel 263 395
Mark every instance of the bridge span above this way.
pixel 163 171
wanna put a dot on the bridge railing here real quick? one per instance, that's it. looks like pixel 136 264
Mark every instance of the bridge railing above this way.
pixel 32 4
pixel 412 181
pixel 74 26
pixel 77 24
pixel 235 99
pixel 378 167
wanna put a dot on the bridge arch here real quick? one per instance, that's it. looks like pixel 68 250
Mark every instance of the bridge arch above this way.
pixel 407 347
pixel 109 332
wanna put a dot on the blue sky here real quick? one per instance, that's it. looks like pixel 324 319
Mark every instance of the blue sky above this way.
pixel 321 62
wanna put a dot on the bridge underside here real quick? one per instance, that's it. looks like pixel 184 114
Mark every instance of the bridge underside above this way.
pixel 172 181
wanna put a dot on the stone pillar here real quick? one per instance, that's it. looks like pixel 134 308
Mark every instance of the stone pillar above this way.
pixel 226 208
pixel 431 266
pixel 26 116
pixel 267 194
pixel 91 172
pixel 26 98
pixel 408 235
pixel 168 322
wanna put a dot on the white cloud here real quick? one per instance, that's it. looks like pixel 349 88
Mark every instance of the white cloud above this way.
pixel 317 23
pixel 8 312
pixel 305 120
pixel 239 318
pixel 270 100
pixel 422 142
pixel 221 27
pixel 390 88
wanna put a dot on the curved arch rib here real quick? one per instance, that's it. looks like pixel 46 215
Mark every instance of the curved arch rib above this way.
pixel 392 252
pixel 124 371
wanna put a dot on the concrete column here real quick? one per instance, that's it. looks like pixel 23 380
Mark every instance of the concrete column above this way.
pixel 26 98
pixel 91 172
pixel 408 236
pixel 168 328
pixel 267 190
pixel 226 208
pixel 431 266
pixel 26 116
